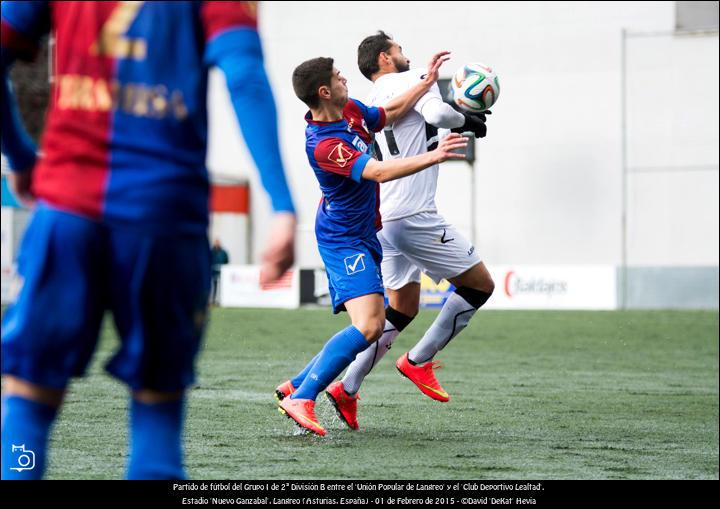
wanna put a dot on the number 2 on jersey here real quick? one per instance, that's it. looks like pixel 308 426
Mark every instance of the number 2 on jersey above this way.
pixel 112 41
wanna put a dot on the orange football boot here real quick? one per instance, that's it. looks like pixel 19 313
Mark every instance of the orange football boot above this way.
pixel 284 390
pixel 302 411
pixel 345 405
pixel 423 377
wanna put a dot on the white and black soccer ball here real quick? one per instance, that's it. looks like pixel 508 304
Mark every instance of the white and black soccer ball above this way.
pixel 474 88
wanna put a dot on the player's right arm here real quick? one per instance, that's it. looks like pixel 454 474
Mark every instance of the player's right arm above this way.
pixel 437 112
pixel 23 24
pixel 233 45
pixel 335 155
pixel 385 171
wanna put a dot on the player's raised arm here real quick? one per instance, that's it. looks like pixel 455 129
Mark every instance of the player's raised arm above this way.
pixel 235 48
pixel 384 171
pixel 400 105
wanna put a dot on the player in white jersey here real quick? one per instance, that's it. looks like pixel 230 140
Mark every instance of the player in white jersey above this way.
pixel 414 238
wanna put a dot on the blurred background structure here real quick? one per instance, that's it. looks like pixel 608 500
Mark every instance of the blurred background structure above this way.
pixel 597 185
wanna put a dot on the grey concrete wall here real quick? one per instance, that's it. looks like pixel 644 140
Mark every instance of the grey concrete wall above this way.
pixel 670 287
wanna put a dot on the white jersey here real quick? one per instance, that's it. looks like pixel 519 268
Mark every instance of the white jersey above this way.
pixel 408 136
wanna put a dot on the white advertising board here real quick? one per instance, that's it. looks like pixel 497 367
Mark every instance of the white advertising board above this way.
pixel 240 287
pixel 553 287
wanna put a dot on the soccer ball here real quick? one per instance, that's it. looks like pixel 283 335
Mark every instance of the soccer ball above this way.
pixel 474 88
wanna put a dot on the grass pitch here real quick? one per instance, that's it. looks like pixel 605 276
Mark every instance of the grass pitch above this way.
pixel 534 395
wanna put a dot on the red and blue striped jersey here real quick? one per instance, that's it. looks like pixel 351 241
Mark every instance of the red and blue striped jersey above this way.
pixel 126 130
pixel 338 152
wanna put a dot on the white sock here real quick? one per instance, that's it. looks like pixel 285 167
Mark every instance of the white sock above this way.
pixel 453 318
pixel 366 360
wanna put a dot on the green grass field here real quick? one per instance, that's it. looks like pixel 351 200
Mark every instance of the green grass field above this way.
pixel 535 395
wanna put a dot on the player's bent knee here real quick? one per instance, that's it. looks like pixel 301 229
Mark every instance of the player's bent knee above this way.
pixel 488 286
pixel 477 278
pixel 376 330
pixel 476 298
pixel 372 329
pixel 150 397
pixel 50 396
pixel 484 283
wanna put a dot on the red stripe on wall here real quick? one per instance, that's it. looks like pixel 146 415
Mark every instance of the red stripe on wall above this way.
pixel 230 198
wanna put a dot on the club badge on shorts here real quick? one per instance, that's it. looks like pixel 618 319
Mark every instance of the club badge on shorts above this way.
pixel 354 263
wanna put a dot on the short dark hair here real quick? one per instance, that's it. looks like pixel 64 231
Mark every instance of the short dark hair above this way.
pixel 369 51
pixel 309 76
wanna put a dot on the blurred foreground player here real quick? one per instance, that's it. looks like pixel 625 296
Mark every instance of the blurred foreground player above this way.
pixel 121 209
pixel 338 146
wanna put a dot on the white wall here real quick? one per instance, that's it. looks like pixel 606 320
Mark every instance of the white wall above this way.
pixel 672 132
pixel 549 172
pixel 231 229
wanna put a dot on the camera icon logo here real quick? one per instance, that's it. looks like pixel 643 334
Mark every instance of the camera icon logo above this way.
pixel 25 458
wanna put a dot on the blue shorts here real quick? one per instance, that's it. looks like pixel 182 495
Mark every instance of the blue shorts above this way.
pixel 73 270
pixel 353 270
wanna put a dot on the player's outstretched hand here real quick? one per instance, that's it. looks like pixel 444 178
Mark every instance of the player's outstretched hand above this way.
pixel 436 62
pixel 451 142
pixel 20 183
pixel 280 252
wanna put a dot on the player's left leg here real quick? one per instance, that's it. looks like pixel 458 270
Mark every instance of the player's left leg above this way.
pixel 343 394
pixel 356 286
pixel 160 287
pixel 395 323
pixel 28 412
pixel 472 289
pixel 367 315
pixel 288 387
pixel 442 253
pixel 156 427
pixel 50 332
pixel 402 286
